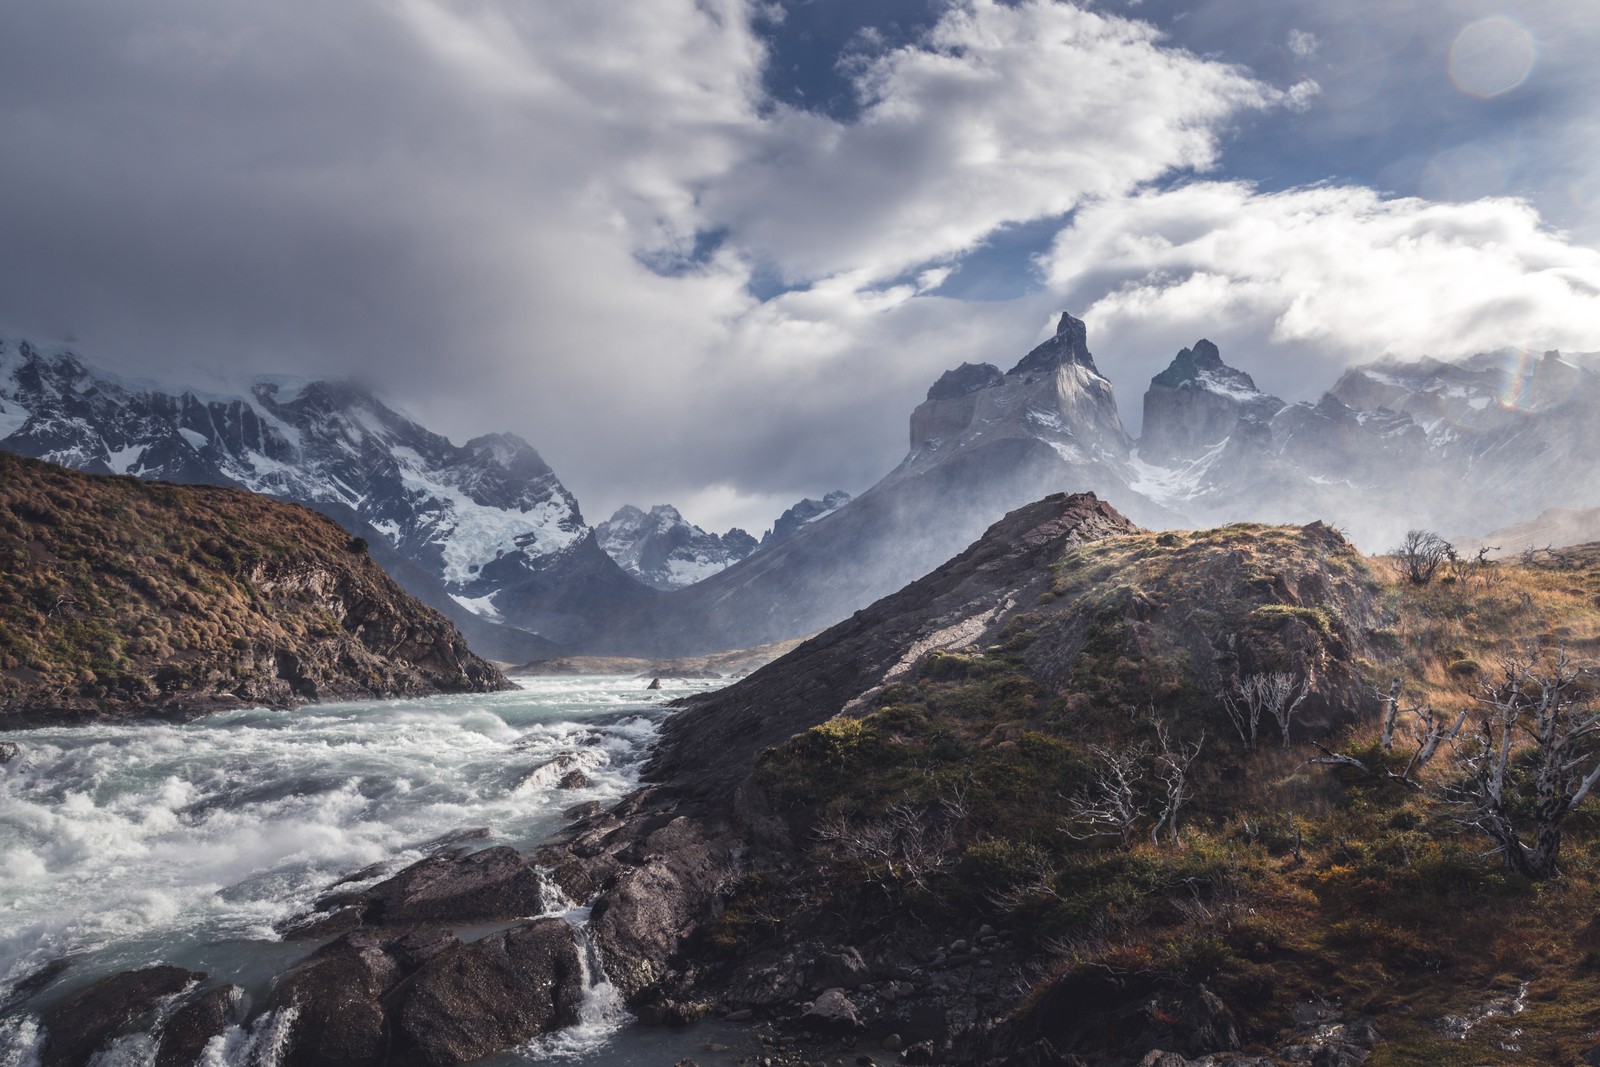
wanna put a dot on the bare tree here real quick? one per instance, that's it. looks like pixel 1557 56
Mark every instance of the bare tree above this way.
pixel 1109 806
pixel 1420 556
pixel 1172 767
pixel 1532 698
pixel 905 846
pixel 1278 694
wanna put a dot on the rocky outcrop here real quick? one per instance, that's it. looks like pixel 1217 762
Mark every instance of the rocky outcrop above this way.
pixel 424 997
pixel 81 1025
pixel 495 883
pixel 664 551
pixel 148 599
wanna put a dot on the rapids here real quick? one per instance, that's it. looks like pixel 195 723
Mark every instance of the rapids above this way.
pixel 124 846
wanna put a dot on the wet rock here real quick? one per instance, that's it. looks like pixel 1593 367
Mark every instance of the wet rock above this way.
pixel 36 981
pixel 9 750
pixel 187 1031
pixel 1157 1058
pixel 573 780
pixel 742 1015
pixel 893 1043
pixel 832 1013
pixel 919 1054
pixel 655 683
pixel 492 994
pixel 338 996
pixel 582 811
pixel 81 1024
pixel 496 883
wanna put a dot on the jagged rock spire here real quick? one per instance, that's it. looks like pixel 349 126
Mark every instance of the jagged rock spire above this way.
pixel 1069 345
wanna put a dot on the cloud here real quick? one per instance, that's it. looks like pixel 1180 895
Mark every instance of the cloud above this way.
pixel 1325 276
pixel 1003 114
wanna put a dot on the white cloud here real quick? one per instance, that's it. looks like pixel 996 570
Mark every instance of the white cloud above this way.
pixel 1005 113
pixel 1327 275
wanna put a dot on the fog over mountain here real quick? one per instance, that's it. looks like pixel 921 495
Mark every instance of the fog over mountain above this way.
pixel 710 253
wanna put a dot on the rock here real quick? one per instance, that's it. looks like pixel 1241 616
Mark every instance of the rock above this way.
pixel 37 980
pixel 472 1000
pixel 9 750
pixel 496 883
pixel 843 969
pixel 985 931
pixel 959 948
pixel 1340 1054
pixel 1157 1058
pixel 742 1015
pixel 573 780
pixel 919 1054
pixel 893 1043
pixel 582 811
pixel 1591 1058
pixel 832 1013
pixel 686 1062
pixel 186 1032
pixel 338 996
pixel 655 683
pixel 81 1024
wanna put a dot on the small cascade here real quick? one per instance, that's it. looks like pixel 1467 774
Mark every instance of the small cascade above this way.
pixel 601 1013
pixel 261 1045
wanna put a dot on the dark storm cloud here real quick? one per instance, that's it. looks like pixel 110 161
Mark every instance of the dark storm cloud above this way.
pixel 553 218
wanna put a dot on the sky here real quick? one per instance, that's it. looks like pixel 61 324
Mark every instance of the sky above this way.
pixel 713 252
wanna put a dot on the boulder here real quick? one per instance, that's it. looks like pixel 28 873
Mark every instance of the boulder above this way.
pixel 492 994
pixel 573 780
pixel 832 1013
pixel 78 1026
pixel 9 750
pixel 338 996
pixel 496 883
pixel 185 1034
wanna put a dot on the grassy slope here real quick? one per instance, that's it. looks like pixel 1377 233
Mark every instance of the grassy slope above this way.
pixel 1292 881
pixel 123 596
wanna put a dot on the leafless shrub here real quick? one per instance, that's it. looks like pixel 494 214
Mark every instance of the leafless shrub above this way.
pixel 1420 556
pixel 905 847
pixel 1278 694
pixel 1109 806
pixel 1172 767
pixel 1533 699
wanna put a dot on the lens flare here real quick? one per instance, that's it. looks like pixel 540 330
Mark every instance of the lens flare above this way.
pixel 1492 56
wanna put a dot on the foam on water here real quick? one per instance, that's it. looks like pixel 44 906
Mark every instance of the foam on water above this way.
pixel 126 846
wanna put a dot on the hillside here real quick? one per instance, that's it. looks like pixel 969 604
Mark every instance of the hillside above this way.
pixel 954 810
pixel 127 598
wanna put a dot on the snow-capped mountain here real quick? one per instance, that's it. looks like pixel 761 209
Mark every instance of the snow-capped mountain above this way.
pixel 663 550
pixel 488 520
pixel 1464 447
pixel 806 511
pixel 1458 447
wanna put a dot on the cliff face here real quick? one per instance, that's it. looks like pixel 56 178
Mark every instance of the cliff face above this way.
pixel 122 598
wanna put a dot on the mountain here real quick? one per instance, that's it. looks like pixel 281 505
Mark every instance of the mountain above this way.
pixel 806 511
pixel 982 443
pixel 124 598
pixel 1394 445
pixel 488 522
pixel 664 551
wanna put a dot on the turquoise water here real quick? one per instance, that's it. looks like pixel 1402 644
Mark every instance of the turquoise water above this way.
pixel 127 846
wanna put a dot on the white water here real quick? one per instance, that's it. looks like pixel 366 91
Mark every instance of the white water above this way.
pixel 128 846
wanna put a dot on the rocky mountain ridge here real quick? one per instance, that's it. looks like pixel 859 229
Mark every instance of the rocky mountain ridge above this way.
pixel 664 551
pixel 124 598
pixel 1461 447
pixel 486 523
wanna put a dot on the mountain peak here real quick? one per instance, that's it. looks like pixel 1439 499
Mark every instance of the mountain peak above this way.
pixel 1069 345
pixel 1203 365
pixel 967 378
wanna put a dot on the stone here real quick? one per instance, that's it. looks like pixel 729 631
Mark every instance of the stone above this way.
pixel 496 883
pixel 184 1036
pixel 832 1013
pixel 1340 1054
pixel 81 1024
pixel 582 811
pixel 1157 1058
pixel 573 780
pixel 9 750
pixel 740 1016
pixel 338 996
pixel 655 683
pixel 495 993
pixel 893 1043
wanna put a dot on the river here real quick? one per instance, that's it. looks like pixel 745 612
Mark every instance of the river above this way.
pixel 124 846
